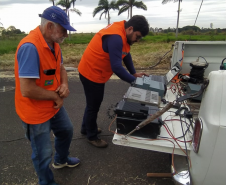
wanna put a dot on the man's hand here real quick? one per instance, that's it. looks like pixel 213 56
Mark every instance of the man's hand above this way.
pixel 63 91
pixel 58 101
pixel 140 74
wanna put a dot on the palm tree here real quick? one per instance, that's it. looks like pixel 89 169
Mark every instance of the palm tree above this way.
pixel 178 11
pixel 105 6
pixel 67 5
pixel 52 1
pixel 128 6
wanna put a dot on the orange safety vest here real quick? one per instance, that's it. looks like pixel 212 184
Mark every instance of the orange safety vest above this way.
pixel 33 111
pixel 95 63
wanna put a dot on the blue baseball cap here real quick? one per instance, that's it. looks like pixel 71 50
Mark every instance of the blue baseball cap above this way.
pixel 57 15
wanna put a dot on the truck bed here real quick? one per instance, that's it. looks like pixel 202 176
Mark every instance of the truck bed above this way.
pixel 160 145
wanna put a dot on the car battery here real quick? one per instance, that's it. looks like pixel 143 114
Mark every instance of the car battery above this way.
pixel 130 114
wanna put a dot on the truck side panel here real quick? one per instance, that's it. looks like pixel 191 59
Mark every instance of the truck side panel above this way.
pixel 209 162
pixel 217 170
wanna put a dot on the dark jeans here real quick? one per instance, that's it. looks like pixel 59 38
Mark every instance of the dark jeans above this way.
pixel 94 93
pixel 39 135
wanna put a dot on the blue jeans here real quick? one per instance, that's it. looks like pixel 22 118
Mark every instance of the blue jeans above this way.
pixel 94 93
pixel 39 135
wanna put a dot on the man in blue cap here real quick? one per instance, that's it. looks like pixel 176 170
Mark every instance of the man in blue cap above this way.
pixel 41 86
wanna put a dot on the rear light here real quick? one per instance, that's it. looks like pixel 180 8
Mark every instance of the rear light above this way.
pixel 197 134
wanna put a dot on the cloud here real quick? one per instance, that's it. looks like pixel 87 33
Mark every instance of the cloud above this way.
pixel 23 14
pixel 10 2
pixel 86 3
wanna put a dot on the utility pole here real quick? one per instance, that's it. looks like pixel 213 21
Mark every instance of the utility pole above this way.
pixel 178 15
pixel 178 12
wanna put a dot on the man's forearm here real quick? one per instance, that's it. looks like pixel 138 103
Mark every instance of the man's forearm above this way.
pixel 29 89
pixel 63 79
pixel 41 94
pixel 123 74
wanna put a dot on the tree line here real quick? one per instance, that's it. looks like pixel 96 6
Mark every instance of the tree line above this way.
pixel 189 30
pixel 12 30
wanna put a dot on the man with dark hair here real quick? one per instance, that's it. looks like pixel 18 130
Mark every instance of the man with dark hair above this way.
pixel 103 57
pixel 41 86
pixel 139 23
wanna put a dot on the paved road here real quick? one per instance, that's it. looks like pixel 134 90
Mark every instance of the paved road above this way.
pixel 115 165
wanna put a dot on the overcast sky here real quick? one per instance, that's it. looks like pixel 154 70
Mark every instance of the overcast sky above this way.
pixel 23 14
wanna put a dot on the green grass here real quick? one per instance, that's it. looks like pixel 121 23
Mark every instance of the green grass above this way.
pixel 171 37
pixel 9 44
pixel 79 38
pixel 149 50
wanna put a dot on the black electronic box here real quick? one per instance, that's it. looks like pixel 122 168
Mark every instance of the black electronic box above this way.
pixel 130 114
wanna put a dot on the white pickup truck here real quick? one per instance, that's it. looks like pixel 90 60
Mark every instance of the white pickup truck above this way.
pixel 208 146
pixel 207 150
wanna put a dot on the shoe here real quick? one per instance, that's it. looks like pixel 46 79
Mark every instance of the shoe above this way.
pixel 71 162
pixel 98 143
pixel 98 131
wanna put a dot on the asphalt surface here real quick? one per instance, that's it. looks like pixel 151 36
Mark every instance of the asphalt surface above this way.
pixel 114 165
